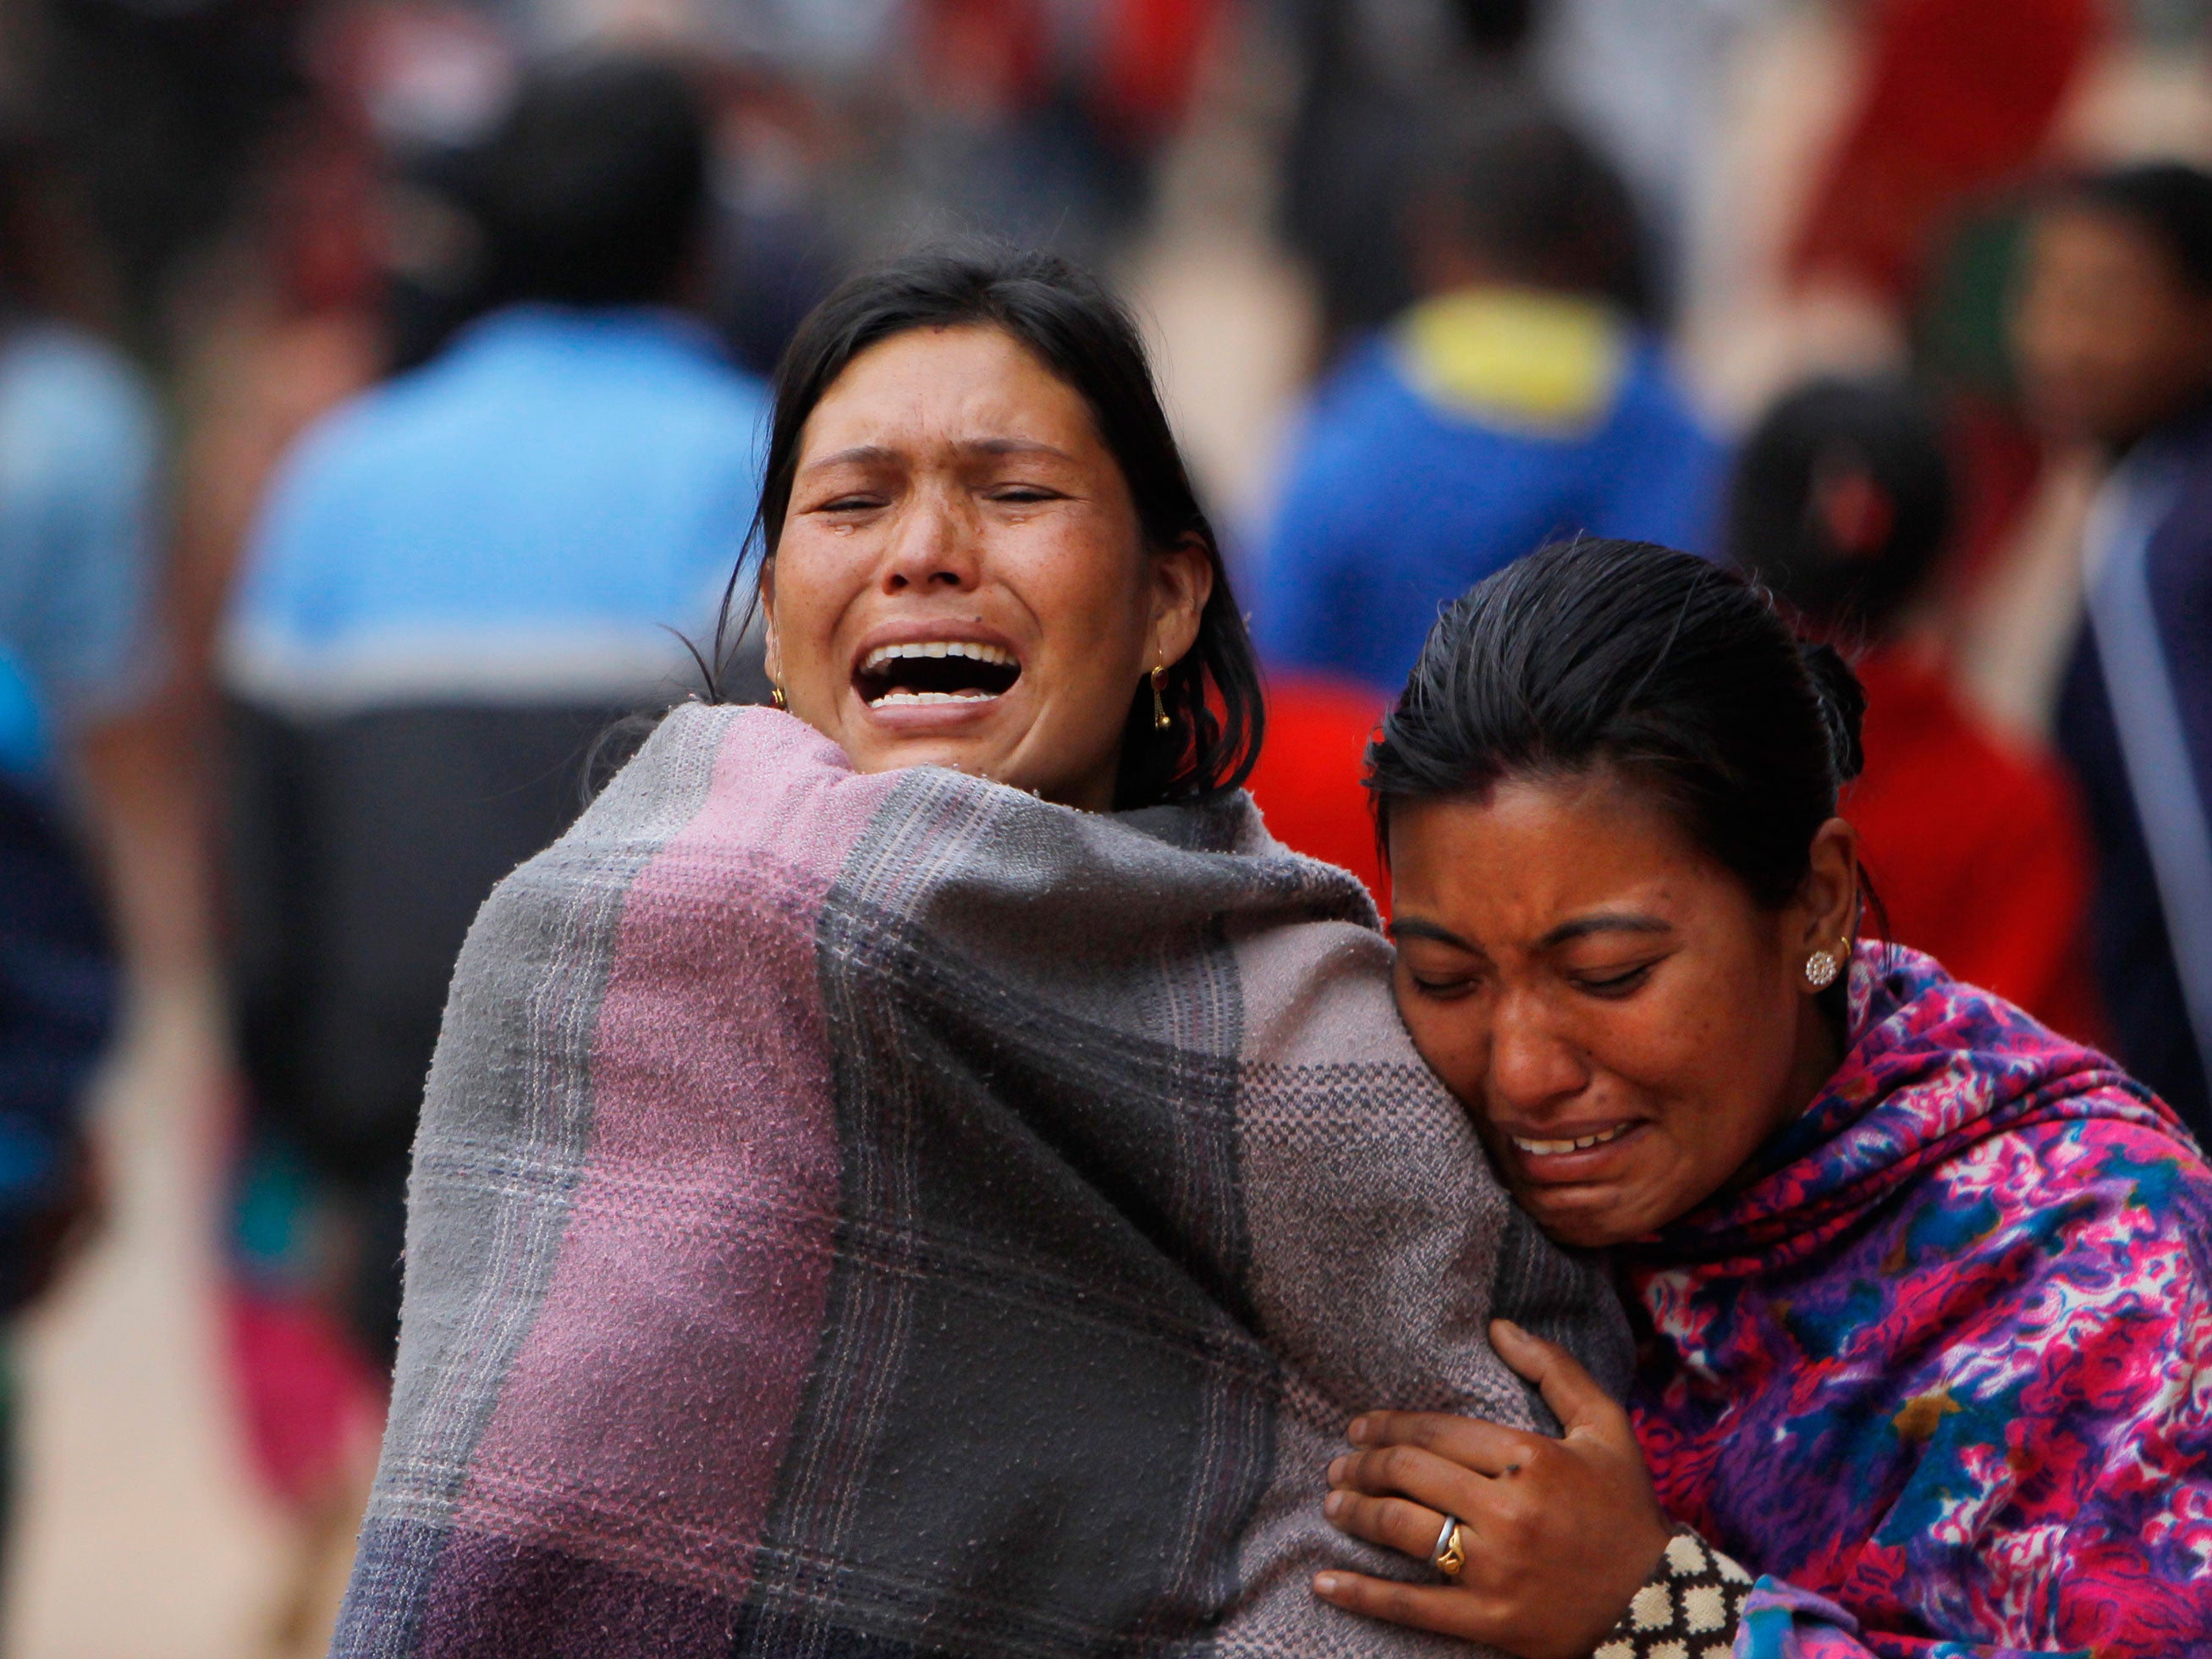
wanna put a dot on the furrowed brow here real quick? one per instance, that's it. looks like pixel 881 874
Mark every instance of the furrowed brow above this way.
pixel 1603 921
pixel 1415 928
pixel 1015 447
pixel 859 455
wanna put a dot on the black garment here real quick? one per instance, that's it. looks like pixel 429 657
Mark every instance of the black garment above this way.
pixel 361 846
pixel 2134 959
pixel 2150 596
pixel 57 1000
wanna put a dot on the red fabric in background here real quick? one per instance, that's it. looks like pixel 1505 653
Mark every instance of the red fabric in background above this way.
pixel 1151 51
pixel 1977 852
pixel 1959 95
pixel 1307 783
pixel 307 1395
pixel 989 58
pixel 1998 462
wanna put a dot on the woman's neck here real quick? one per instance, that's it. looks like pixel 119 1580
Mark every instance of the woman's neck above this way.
pixel 1819 1051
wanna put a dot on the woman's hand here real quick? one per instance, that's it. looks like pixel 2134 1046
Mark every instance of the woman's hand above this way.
pixel 1559 1533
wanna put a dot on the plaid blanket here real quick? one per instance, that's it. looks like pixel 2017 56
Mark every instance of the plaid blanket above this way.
pixel 892 1215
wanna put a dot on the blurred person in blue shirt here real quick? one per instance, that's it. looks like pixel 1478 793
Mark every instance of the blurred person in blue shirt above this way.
pixel 80 833
pixel 81 465
pixel 458 580
pixel 1518 402
pixel 79 457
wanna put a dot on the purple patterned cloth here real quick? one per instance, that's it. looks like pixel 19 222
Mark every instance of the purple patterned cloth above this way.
pixel 862 1217
pixel 1943 1368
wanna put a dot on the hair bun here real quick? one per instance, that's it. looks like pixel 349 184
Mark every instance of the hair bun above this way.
pixel 1843 708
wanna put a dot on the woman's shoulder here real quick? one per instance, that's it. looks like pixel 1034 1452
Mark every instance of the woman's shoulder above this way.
pixel 2048 1122
pixel 2087 1223
pixel 1961 1129
pixel 2096 1168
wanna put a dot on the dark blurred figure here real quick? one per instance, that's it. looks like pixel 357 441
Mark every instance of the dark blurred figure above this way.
pixel 92 829
pixel 164 111
pixel 776 250
pixel 78 456
pixel 1520 401
pixel 58 997
pixel 1843 505
pixel 1376 78
pixel 81 577
pixel 1031 121
pixel 2114 336
pixel 459 579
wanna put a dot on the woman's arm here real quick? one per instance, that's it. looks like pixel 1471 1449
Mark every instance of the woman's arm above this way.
pixel 1568 1553
pixel 1559 1536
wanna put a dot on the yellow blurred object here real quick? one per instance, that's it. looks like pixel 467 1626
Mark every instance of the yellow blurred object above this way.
pixel 1547 364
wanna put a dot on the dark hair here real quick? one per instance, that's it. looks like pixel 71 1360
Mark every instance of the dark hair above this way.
pixel 593 189
pixel 2170 200
pixel 1840 578
pixel 1538 201
pixel 1676 672
pixel 1500 26
pixel 1083 334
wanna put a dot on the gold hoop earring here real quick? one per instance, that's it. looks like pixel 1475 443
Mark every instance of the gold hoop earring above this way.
pixel 776 695
pixel 1160 720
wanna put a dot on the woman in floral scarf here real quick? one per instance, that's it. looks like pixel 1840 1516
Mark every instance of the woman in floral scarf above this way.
pixel 1923 1291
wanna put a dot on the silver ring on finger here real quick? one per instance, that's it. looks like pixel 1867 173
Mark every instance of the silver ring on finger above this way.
pixel 1449 1556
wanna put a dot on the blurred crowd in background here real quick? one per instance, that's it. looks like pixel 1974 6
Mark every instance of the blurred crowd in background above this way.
pixel 381 386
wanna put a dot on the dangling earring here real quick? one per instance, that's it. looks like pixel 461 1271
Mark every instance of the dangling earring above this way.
pixel 1820 969
pixel 1160 720
pixel 776 695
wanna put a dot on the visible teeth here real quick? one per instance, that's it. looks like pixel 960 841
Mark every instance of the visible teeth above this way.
pixel 910 699
pixel 1579 1144
pixel 974 650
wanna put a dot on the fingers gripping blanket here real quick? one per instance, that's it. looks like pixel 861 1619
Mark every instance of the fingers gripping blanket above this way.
pixel 891 1215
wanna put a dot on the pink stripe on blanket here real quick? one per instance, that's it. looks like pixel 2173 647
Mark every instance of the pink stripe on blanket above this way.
pixel 725 1150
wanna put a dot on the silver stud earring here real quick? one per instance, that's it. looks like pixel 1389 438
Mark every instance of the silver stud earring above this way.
pixel 1820 969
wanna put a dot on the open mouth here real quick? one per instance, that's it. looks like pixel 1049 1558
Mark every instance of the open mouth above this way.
pixel 924 671
pixel 1577 1144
